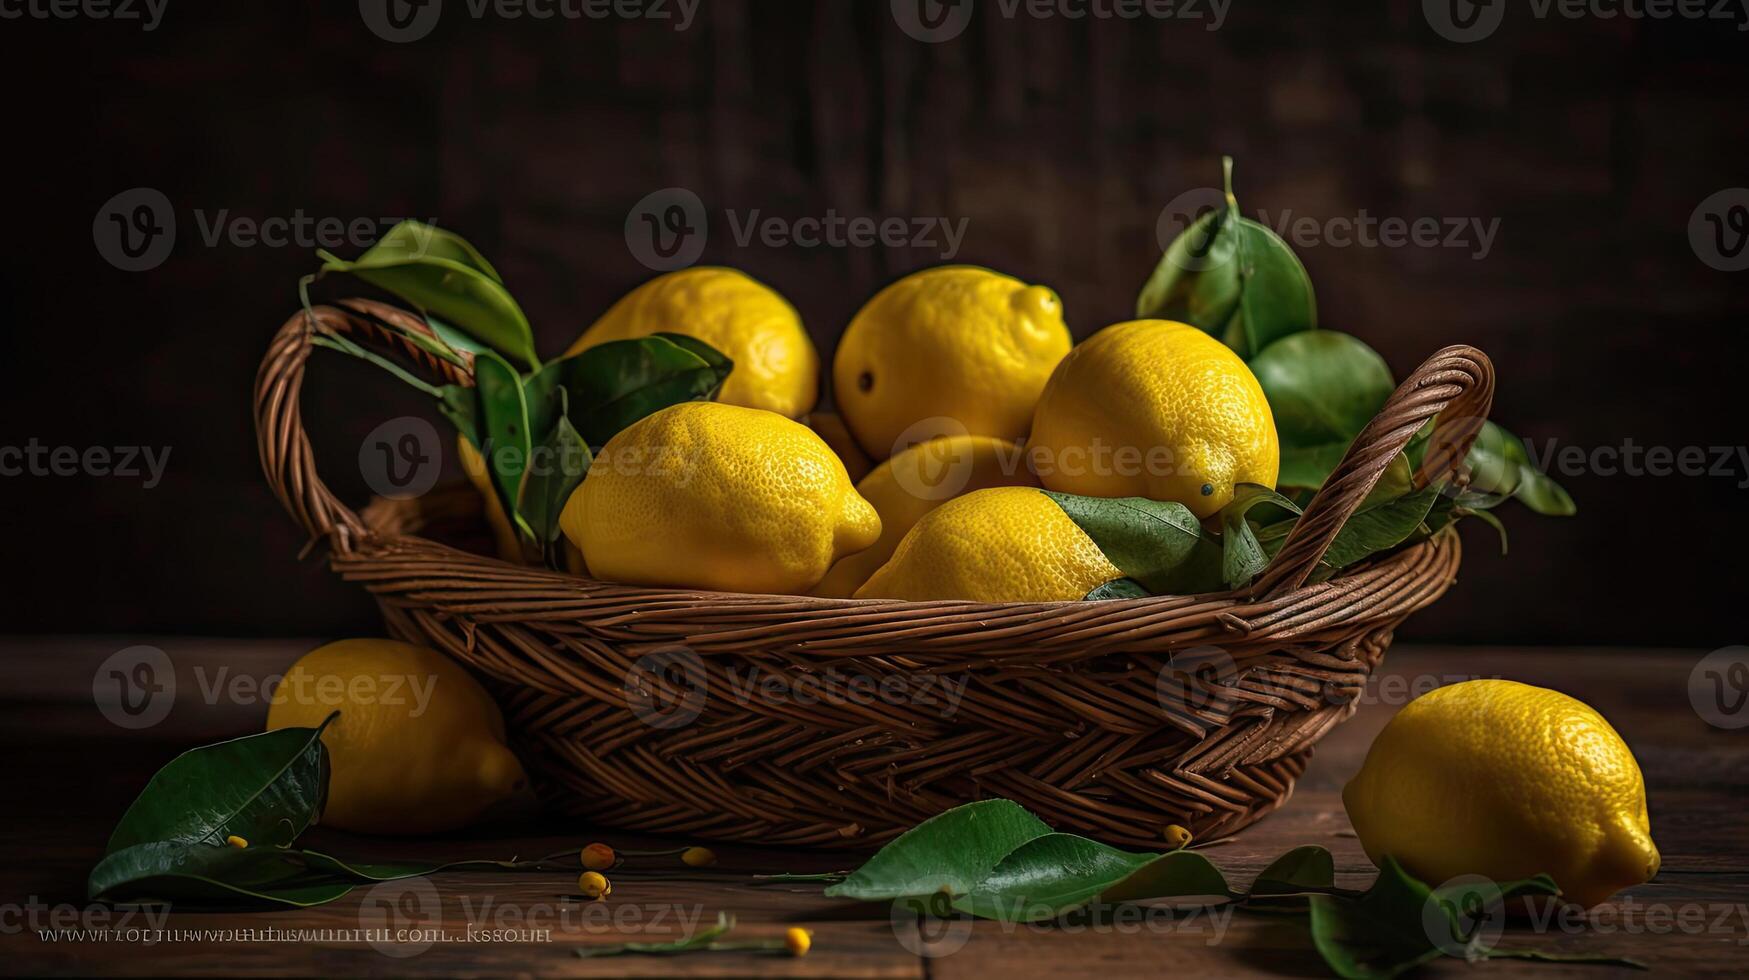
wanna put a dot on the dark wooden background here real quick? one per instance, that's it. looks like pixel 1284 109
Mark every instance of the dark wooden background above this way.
pixel 1591 141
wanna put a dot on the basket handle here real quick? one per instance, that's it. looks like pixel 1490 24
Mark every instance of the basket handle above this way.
pixel 286 457
pixel 1457 385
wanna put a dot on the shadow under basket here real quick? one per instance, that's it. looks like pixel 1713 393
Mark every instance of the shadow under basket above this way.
pixel 840 722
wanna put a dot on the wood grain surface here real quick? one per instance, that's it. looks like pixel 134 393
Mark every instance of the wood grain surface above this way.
pixel 71 774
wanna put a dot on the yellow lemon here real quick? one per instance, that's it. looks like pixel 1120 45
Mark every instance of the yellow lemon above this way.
pixel 955 342
pixel 776 367
pixel 418 747
pixel 830 427
pixel 917 481
pixel 1505 780
pixel 1004 544
pixel 1156 409
pixel 712 496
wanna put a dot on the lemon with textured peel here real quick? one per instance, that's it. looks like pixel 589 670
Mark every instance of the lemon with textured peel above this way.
pixel 419 745
pixel 1156 409
pixel 830 427
pixel 1004 544
pixel 954 342
pixel 776 366
pixel 711 496
pixel 1505 780
pixel 917 481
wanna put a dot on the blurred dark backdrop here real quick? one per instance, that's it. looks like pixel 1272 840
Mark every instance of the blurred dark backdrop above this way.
pixel 1590 141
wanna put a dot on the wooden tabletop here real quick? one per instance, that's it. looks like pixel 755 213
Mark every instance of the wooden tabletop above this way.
pixel 71 773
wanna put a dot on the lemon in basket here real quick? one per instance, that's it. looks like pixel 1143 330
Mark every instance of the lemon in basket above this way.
pixel 1004 544
pixel 712 496
pixel 418 747
pixel 1506 780
pixel 776 367
pixel 917 481
pixel 955 342
pixel 1156 409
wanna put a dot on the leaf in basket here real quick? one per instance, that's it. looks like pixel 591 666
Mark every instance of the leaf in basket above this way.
pixel 212 875
pixel 1323 388
pixel 502 417
pixel 1233 278
pixel 952 851
pixel 700 939
pixel 612 385
pixel 1501 467
pixel 442 275
pixel 1380 527
pixel 1118 588
pixel 1056 873
pixel 560 464
pixel 1242 557
pixel 263 788
pixel 1160 544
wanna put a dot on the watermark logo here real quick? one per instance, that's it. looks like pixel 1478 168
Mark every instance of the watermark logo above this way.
pixel 930 927
pixel 401 458
pixel 932 21
pixel 1718 688
pixel 135 688
pixel 135 230
pixel 400 21
pixel 1180 215
pixel 401 918
pixel 1197 679
pixel 667 688
pixel 1362 229
pixel 1463 21
pixel 667 229
pixel 1718 230
pixel 1465 916
pixel 941 472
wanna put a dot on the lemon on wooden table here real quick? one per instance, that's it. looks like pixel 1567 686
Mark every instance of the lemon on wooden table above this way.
pixel 1156 409
pixel 776 366
pixel 954 342
pixel 915 482
pixel 1505 780
pixel 712 496
pixel 1004 544
pixel 419 745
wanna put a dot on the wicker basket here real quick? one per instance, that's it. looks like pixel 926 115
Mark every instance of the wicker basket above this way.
pixel 632 707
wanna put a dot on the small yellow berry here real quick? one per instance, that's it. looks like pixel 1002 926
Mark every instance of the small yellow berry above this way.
pixel 598 857
pixel 798 941
pixel 594 884
pixel 236 841
pixel 1176 836
pixel 699 857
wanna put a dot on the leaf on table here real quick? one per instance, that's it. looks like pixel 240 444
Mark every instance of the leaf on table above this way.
pixel 263 788
pixel 211 875
pixel 701 939
pixel 953 851
pixel 1231 277
pixel 1159 544
pixel 1304 869
pixel 1057 873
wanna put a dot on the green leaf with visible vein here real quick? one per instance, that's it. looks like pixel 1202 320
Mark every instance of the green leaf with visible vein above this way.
pixel 1160 544
pixel 952 851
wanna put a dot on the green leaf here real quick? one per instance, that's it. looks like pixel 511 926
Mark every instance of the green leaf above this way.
pixel 1160 544
pixel 1242 557
pixel 1500 466
pixel 1118 588
pixel 710 355
pixel 1380 527
pixel 702 939
pixel 1303 869
pixel 1233 278
pixel 211 875
pixel 952 851
pixel 1056 873
pixel 612 385
pixel 563 462
pixel 1399 923
pixel 263 788
pixel 1323 388
pixel 443 276
pixel 502 417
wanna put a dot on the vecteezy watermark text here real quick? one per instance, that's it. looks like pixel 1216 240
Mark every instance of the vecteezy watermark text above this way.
pixel 149 13
pixel 1464 21
pixel 934 21
pixel 403 21
pixel 126 462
